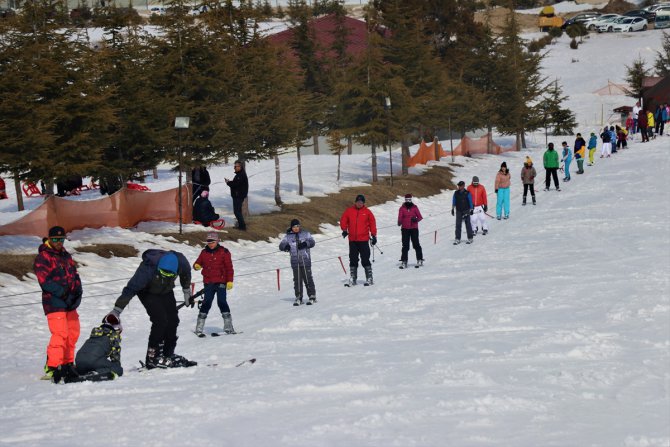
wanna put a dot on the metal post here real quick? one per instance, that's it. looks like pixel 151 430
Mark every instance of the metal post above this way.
pixel 179 192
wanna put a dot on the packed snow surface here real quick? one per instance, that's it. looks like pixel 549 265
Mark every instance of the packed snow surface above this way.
pixel 552 330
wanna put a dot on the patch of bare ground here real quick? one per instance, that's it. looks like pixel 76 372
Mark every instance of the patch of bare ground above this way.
pixel 329 209
pixel 17 265
pixel 109 250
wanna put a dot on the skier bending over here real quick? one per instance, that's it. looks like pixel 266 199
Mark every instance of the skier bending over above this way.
pixel 153 282
pixel 297 242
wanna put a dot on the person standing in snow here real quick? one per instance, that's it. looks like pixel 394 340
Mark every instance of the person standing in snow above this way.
pixel 3 192
pixel 239 188
pixel 593 144
pixel 409 217
pixel 153 282
pixel 297 242
pixel 480 202
pixel 567 159
pixel 462 208
pixel 502 185
pixel 607 143
pixel 360 225
pixel 650 125
pixel 580 153
pixel 642 125
pixel 201 180
pixel 636 117
pixel 216 264
pixel 100 357
pixel 550 161
pixel 622 135
pixel 61 287
pixel 528 174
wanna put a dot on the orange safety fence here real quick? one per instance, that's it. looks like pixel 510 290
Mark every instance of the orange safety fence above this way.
pixel 125 208
pixel 426 153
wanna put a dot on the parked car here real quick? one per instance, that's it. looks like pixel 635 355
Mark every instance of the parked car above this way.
pixel 603 19
pixel 158 10
pixel 630 24
pixel 662 19
pixel 585 18
pixel 649 16
pixel 657 6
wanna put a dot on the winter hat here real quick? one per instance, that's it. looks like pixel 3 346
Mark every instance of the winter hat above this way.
pixel 408 197
pixel 461 183
pixel 360 198
pixel 295 223
pixel 56 232
pixel 475 180
pixel 113 322
pixel 212 236
pixel 204 194
pixel 169 262
pixel 528 161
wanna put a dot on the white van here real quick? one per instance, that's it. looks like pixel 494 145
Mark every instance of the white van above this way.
pixel 662 19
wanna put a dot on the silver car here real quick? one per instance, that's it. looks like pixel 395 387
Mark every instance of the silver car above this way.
pixel 630 24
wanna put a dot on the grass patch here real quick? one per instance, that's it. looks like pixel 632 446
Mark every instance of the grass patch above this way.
pixel 329 209
pixel 17 265
pixel 109 250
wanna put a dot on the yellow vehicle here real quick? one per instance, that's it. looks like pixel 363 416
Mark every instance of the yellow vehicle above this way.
pixel 549 19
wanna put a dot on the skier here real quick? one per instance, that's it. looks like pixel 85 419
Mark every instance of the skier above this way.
pixel 528 174
pixel 642 125
pixel 216 264
pixel 567 159
pixel 297 242
pixel 203 211
pixel 360 225
pixel 550 161
pixel 100 357
pixel 622 136
pixel 580 153
pixel 409 217
pixel 461 202
pixel 593 142
pixel 480 202
pixel 502 184
pixel 607 143
pixel 153 282
pixel 61 294
pixel 239 188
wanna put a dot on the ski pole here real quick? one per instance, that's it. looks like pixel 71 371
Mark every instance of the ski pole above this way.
pixel 380 250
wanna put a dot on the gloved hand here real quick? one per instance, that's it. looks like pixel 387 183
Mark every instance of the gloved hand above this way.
pixel 399 223
pixel 229 285
pixel 302 245
pixel 472 212
pixel 188 299
pixel 115 313
pixel 452 212
pixel 486 208
pixel 373 240
pixel 496 191
pixel 414 219
pixel 197 266
pixel 345 233
pixel 287 248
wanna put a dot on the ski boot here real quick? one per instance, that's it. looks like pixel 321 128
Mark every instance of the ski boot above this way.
pixel 419 262
pixel 368 275
pixel 312 300
pixel 524 201
pixel 353 275
pixel 485 232
pixel 403 265
pixel 534 200
pixel 155 359
pixel 457 241
pixel 469 241
pixel 200 324
pixel 178 361
pixel 228 323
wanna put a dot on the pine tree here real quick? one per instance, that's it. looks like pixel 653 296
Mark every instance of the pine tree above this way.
pixel 553 115
pixel 635 74
pixel 662 63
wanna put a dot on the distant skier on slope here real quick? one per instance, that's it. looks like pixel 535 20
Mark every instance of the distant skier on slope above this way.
pixel 409 217
pixel 360 225
pixel 528 175
pixel 297 242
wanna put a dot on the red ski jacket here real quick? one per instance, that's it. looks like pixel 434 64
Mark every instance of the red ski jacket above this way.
pixel 478 195
pixel 57 275
pixel 360 223
pixel 217 265
pixel 405 216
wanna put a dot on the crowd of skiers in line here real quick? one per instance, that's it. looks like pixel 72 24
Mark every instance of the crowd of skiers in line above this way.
pixel 154 280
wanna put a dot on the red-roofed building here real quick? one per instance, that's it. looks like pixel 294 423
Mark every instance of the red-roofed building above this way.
pixel 324 32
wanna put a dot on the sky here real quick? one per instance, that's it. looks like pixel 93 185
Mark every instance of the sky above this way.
pixel 552 330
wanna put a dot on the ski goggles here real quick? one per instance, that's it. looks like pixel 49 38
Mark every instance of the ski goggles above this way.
pixel 167 273
pixel 57 239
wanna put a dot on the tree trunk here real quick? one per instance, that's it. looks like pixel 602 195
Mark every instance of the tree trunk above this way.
pixel 523 142
pixel 155 173
pixel 489 140
pixel 373 151
pixel 350 145
pixel 278 201
pixel 436 148
pixel 405 156
pixel 19 193
pixel 315 140
pixel 300 186
pixel 339 164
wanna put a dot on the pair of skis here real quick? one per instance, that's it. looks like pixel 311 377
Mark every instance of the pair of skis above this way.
pixel 143 367
pixel 217 334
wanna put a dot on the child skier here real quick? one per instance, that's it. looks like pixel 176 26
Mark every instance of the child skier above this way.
pixel 100 357
pixel 593 143
pixel 298 242
pixel 567 159
pixel 528 174
pixel 217 273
